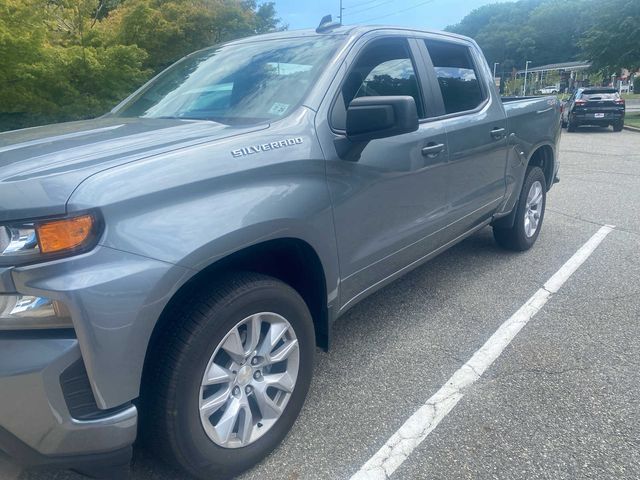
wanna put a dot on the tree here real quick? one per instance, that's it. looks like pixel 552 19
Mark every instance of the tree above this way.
pixel 169 29
pixel 502 31
pixel 543 31
pixel 21 49
pixel 613 42
pixel 55 67
pixel 72 59
pixel 266 18
pixel 556 27
pixel 513 86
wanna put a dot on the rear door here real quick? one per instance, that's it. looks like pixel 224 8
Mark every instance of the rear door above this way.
pixel 475 123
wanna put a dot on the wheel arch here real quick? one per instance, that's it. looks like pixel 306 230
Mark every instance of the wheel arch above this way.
pixel 543 156
pixel 291 260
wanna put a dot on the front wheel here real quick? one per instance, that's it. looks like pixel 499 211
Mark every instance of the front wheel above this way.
pixel 529 214
pixel 229 376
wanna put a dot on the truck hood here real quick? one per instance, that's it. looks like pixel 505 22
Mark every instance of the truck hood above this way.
pixel 41 167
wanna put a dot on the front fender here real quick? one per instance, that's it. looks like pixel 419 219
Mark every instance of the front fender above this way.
pixel 196 226
pixel 177 215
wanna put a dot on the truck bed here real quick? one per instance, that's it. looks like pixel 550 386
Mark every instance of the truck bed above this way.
pixel 532 119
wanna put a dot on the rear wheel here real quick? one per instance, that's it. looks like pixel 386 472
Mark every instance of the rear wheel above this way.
pixel 529 214
pixel 572 125
pixel 230 375
pixel 617 127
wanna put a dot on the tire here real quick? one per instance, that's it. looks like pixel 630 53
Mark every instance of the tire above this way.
pixel 617 127
pixel 191 345
pixel 572 126
pixel 520 237
pixel 563 124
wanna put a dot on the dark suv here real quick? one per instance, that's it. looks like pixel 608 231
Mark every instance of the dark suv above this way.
pixel 600 106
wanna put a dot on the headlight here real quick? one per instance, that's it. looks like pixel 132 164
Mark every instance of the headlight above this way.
pixel 47 239
pixel 25 312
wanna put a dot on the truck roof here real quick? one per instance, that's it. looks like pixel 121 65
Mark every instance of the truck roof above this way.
pixel 346 30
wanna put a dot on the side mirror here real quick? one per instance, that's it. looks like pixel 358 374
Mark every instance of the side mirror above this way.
pixel 369 118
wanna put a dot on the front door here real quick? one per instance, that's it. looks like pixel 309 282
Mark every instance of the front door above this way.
pixel 389 203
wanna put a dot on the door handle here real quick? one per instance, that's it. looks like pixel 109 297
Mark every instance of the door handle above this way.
pixel 497 133
pixel 433 149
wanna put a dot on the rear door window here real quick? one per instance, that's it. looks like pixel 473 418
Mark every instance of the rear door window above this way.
pixel 457 76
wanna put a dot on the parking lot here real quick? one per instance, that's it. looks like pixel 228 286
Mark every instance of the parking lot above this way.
pixel 561 401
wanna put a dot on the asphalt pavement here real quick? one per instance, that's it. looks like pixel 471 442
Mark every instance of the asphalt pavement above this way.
pixel 562 399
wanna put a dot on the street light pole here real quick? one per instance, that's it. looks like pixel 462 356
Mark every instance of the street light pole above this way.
pixel 495 64
pixel 526 68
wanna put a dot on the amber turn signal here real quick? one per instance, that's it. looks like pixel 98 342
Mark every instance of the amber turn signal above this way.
pixel 62 235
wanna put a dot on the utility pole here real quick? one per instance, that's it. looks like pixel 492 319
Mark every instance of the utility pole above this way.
pixel 526 68
pixel 340 15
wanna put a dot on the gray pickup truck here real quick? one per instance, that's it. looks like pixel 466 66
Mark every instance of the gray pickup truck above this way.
pixel 171 267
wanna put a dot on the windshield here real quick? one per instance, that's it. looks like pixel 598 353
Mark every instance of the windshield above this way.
pixel 236 84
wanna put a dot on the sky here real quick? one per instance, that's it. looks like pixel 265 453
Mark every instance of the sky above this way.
pixel 427 14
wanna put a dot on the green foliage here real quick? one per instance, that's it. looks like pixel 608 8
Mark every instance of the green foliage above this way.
pixel 21 40
pixel 604 32
pixel 169 29
pixel 543 31
pixel 71 59
pixel 595 78
pixel 632 119
pixel 502 32
pixel 613 40
pixel 551 78
pixel 513 86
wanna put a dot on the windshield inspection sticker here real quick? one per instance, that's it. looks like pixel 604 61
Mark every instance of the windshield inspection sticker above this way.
pixel 265 147
pixel 278 108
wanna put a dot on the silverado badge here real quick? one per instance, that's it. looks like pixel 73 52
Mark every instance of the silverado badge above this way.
pixel 265 147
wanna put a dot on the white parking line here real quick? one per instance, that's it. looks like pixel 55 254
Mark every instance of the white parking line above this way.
pixel 426 418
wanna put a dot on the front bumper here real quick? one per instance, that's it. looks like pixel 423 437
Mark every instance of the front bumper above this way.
pixel 66 395
pixel 37 406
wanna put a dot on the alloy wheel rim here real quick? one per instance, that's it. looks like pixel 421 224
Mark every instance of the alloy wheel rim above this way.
pixel 533 210
pixel 249 380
